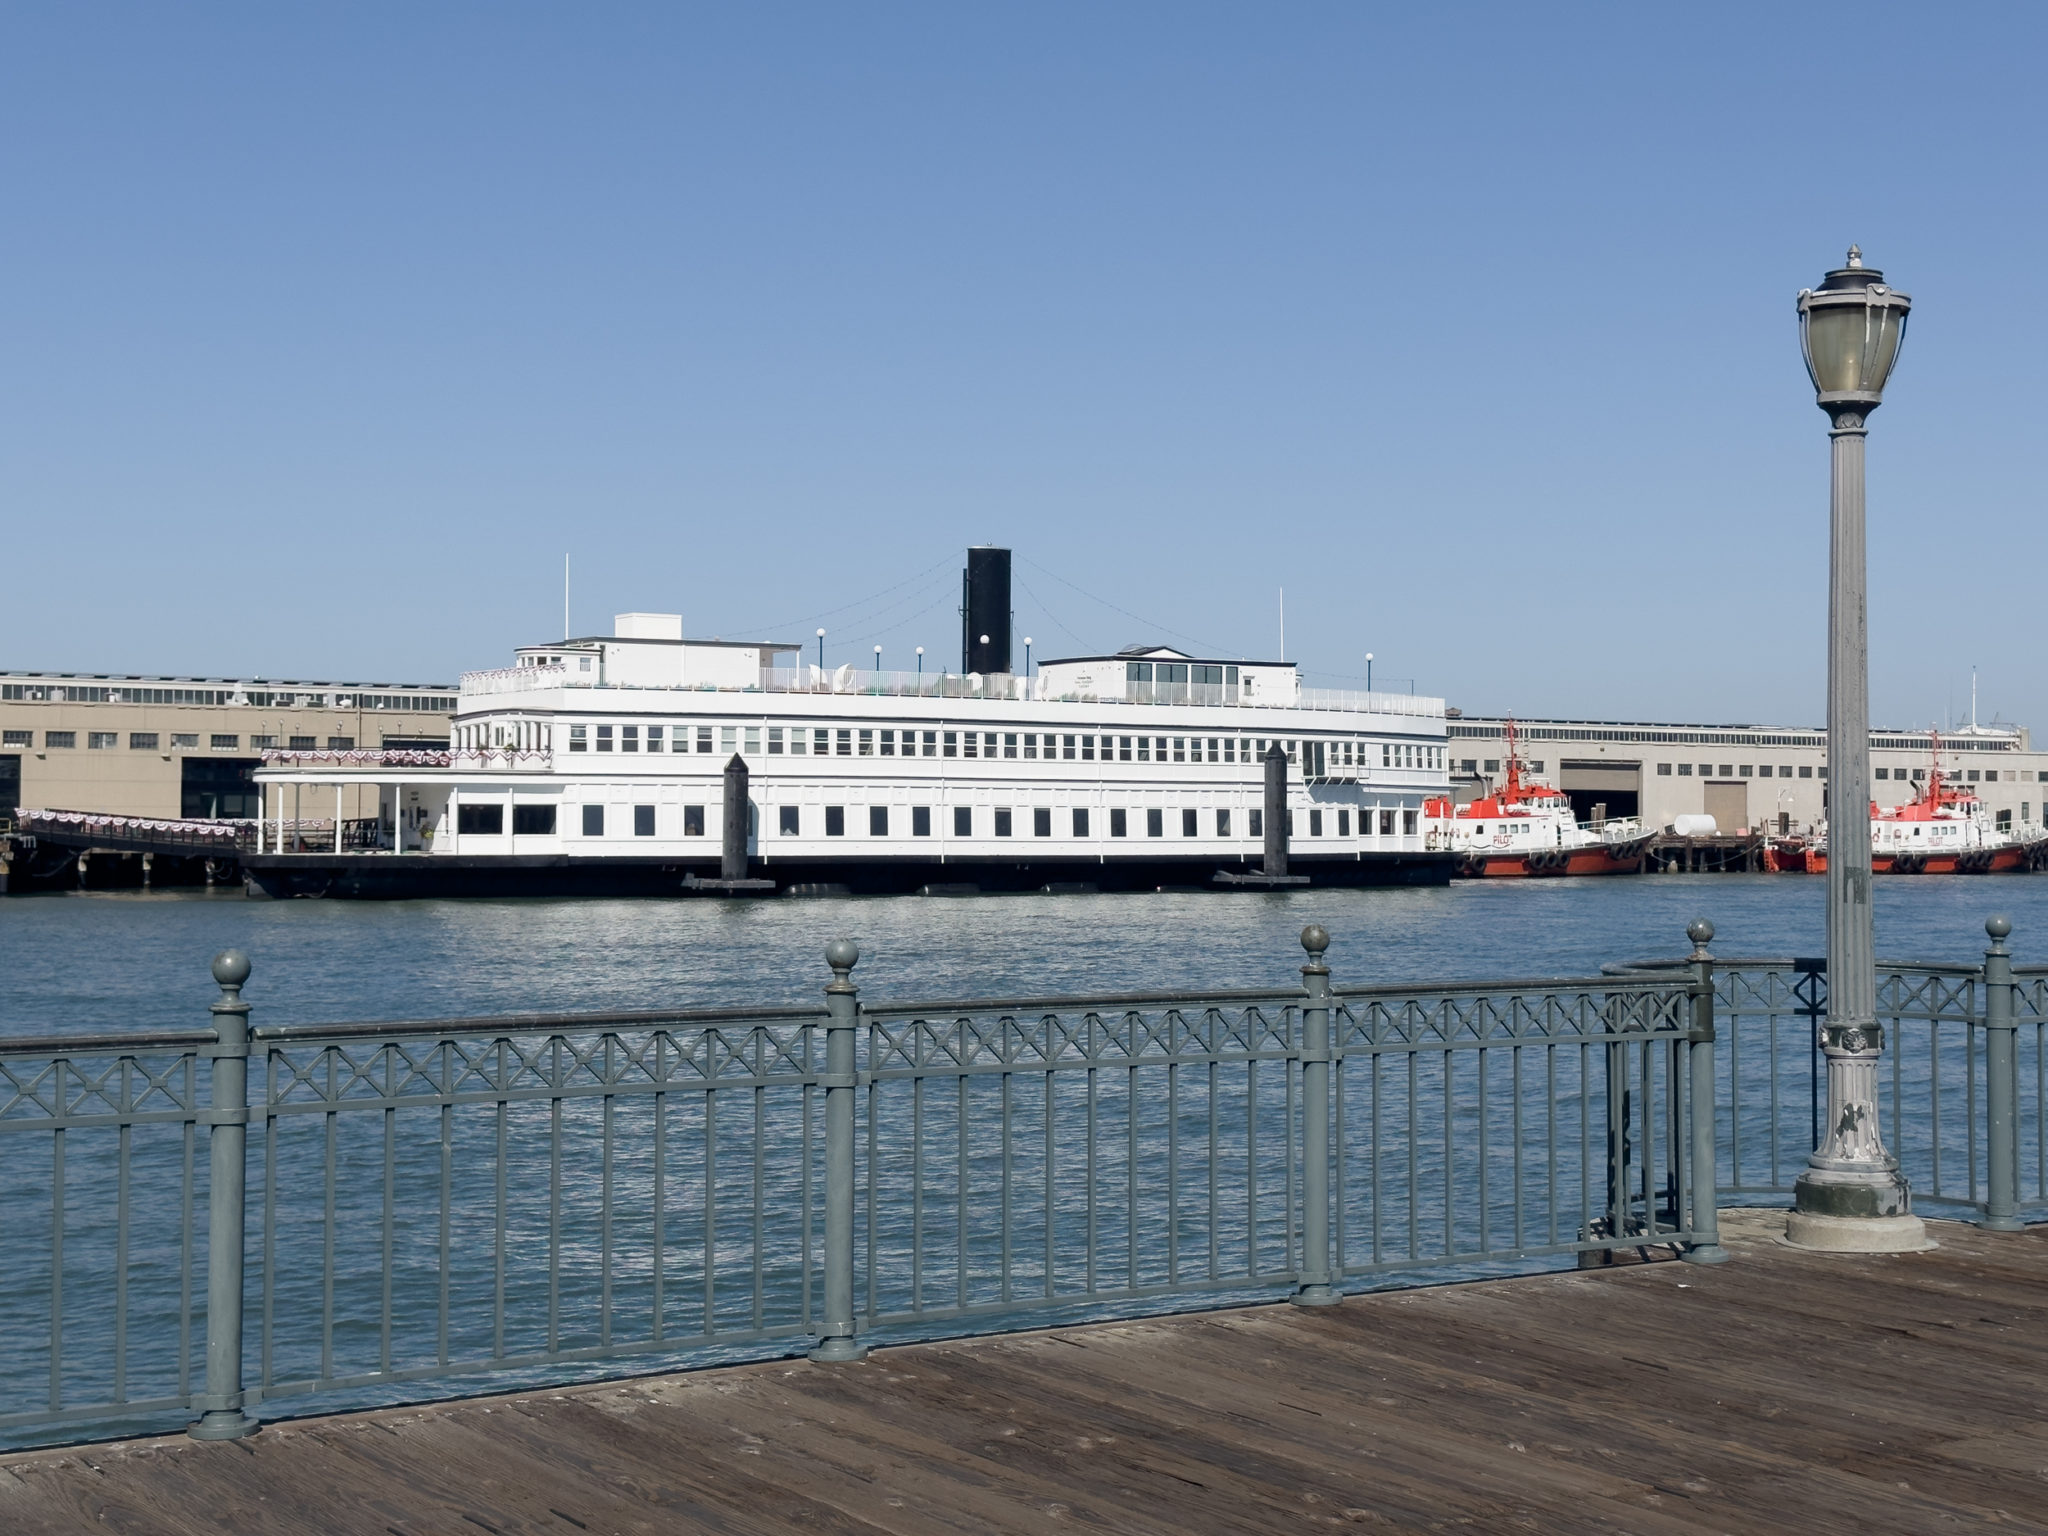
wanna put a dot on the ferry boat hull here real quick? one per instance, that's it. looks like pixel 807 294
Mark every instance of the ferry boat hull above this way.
pixel 400 877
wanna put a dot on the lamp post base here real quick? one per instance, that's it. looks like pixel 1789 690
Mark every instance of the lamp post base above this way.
pixel 1857 1234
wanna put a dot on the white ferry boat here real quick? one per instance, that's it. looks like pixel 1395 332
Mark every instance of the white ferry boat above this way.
pixel 601 765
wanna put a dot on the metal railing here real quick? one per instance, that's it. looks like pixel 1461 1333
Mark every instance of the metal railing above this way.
pixel 531 1198
pixel 1964 1077
pixel 222 835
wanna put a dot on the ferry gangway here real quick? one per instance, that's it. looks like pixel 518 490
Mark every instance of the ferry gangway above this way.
pixel 260 1217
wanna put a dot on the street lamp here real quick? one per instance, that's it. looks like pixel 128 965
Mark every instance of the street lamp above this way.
pixel 821 648
pixel 1027 656
pixel 878 664
pixel 920 661
pixel 1368 671
pixel 1851 1197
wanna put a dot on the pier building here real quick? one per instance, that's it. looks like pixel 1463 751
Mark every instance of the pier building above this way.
pixel 133 745
pixel 1764 778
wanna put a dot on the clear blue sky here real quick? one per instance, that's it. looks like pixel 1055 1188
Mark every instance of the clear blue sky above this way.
pixel 325 332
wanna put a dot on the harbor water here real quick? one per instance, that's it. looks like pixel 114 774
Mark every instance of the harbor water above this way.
pixel 113 962
pixel 99 961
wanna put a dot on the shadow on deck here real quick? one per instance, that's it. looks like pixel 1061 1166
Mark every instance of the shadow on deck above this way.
pixel 1782 1391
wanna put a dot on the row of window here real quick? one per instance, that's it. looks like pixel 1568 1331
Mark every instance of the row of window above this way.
pixel 1761 771
pixel 220 698
pixel 181 741
pixel 849 741
pixel 540 821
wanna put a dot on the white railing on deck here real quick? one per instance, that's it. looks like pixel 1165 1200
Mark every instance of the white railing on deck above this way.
pixel 1007 686
pixel 356 757
pixel 518 680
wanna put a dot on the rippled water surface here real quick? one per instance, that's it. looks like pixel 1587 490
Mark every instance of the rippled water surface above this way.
pixel 127 960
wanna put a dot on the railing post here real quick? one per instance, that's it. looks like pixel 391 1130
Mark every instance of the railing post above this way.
pixel 227 1120
pixel 1706 1197
pixel 836 1341
pixel 2001 1084
pixel 1314 1288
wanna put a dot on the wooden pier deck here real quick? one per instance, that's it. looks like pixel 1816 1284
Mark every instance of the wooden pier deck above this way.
pixel 1785 1391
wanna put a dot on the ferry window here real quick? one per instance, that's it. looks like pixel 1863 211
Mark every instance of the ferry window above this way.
pixel 1155 823
pixel 643 821
pixel 835 821
pixel 1137 671
pixel 593 820
pixel 1291 754
pixel 604 738
pixel 753 741
pixel 1031 745
pixel 970 744
pixel 789 820
pixel 1223 823
pixel 1171 672
pixel 1805 770
pixel 533 821
pixel 693 821
pixel 1088 749
pixel 703 738
pixel 920 821
pixel 1002 822
pixel 1158 749
pixel 867 743
pixel 1041 821
pixel 775 741
pixel 654 738
pixel 1066 747
pixel 1081 822
pixel 931 743
pixel 629 738
pixel 1386 823
pixel 184 739
pixel 582 663
pixel 988 744
pixel 1290 823
pixel 1188 828
pixel 480 820
pixel 1230 749
pixel 2004 820
pixel 888 743
pixel 1009 744
pixel 1254 823
pixel 878 821
pixel 821 743
pixel 1343 823
pixel 262 741
pixel 1663 770
pixel 1180 749
pixel 728 740
pixel 1315 823
pixel 1882 773
pixel 1408 823
pixel 1123 750
pixel 963 821
pixel 1118 822
pixel 101 741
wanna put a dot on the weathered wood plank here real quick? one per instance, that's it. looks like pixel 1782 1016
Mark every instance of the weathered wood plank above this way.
pixel 1785 1390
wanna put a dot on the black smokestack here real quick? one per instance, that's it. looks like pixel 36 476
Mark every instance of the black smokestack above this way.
pixel 985 610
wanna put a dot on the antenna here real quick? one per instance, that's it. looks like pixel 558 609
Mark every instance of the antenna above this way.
pixel 565 594
pixel 1973 698
pixel 1283 623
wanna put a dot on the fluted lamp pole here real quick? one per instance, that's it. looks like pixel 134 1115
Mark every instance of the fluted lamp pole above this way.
pixel 1851 1198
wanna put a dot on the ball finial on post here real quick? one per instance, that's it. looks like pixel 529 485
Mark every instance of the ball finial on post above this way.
pixel 1315 939
pixel 231 969
pixel 842 955
pixel 1999 926
pixel 1700 931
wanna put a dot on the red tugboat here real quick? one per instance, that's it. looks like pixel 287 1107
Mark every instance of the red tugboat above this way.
pixel 1526 828
pixel 1942 830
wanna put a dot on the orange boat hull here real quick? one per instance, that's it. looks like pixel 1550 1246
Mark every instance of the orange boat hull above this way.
pixel 1551 864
